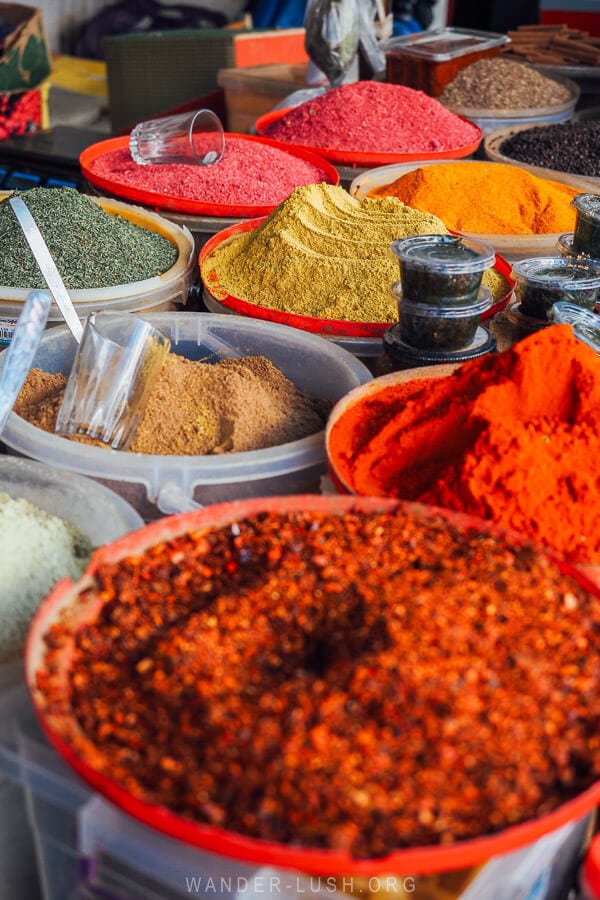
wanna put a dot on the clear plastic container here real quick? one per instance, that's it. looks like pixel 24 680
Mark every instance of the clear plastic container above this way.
pixel 586 238
pixel 430 60
pixel 431 327
pixel 361 347
pixel 441 269
pixel 543 281
pixel 315 365
pixel 585 322
pixel 160 293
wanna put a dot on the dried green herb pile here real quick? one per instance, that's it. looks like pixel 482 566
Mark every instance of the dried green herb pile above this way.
pixel 91 248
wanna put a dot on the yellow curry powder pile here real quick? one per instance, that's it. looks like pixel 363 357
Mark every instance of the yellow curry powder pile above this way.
pixel 489 198
pixel 324 253
pixel 198 408
pixel 501 438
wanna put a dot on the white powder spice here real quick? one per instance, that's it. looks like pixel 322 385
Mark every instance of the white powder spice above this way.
pixel 36 550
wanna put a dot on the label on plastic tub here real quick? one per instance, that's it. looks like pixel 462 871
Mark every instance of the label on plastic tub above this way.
pixel 7 329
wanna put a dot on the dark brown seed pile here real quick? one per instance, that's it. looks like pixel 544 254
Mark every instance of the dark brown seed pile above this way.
pixel 500 84
pixel 568 147
pixel 360 682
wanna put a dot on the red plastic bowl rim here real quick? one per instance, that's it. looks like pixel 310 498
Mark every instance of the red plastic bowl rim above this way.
pixel 412 860
pixel 194 207
pixel 329 327
pixel 363 159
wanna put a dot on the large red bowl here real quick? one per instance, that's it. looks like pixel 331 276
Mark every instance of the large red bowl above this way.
pixel 362 159
pixel 330 327
pixel 63 601
pixel 182 204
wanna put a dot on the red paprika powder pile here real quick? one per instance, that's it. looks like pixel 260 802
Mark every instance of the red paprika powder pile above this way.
pixel 514 438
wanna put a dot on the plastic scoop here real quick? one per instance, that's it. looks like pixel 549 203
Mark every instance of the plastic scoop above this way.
pixel 21 350
pixel 43 257
pixel 117 362
pixel 195 138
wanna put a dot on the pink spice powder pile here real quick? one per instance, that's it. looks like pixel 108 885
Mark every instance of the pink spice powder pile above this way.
pixel 250 173
pixel 374 117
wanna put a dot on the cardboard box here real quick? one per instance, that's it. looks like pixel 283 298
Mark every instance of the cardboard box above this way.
pixel 25 57
pixel 250 92
pixel 156 71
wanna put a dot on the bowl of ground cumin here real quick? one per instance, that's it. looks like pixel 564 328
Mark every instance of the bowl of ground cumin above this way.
pixel 337 685
pixel 238 410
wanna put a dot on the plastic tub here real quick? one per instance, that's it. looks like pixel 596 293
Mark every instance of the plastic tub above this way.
pixel 97 511
pixel 428 326
pixel 85 846
pixel 361 347
pixel 586 238
pixel 543 281
pixel 398 355
pixel 585 322
pixel 511 246
pixel 160 293
pixel 490 119
pixel 430 60
pixel 442 269
pixel 63 602
pixel 316 366
pixel 565 246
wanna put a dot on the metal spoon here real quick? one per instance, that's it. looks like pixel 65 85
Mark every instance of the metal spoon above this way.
pixel 43 257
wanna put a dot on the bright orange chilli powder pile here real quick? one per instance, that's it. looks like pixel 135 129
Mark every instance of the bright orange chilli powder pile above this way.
pixel 513 437
pixel 486 197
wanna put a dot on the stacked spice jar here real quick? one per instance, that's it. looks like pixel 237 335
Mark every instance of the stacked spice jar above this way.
pixel 573 277
pixel 440 300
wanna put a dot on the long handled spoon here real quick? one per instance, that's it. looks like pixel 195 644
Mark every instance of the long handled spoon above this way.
pixel 43 257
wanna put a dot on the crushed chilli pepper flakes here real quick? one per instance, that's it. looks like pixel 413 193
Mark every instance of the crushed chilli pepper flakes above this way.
pixel 250 173
pixel 361 682
pixel 374 117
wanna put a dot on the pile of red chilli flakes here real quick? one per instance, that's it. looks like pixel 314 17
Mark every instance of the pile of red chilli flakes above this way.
pixel 374 117
pixel 242 675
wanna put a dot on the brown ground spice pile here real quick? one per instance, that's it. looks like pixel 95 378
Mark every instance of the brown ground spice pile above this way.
pixel 199 408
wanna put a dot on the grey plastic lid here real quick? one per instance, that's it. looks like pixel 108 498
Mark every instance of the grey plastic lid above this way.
pixel 444 253
pixel 442 44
